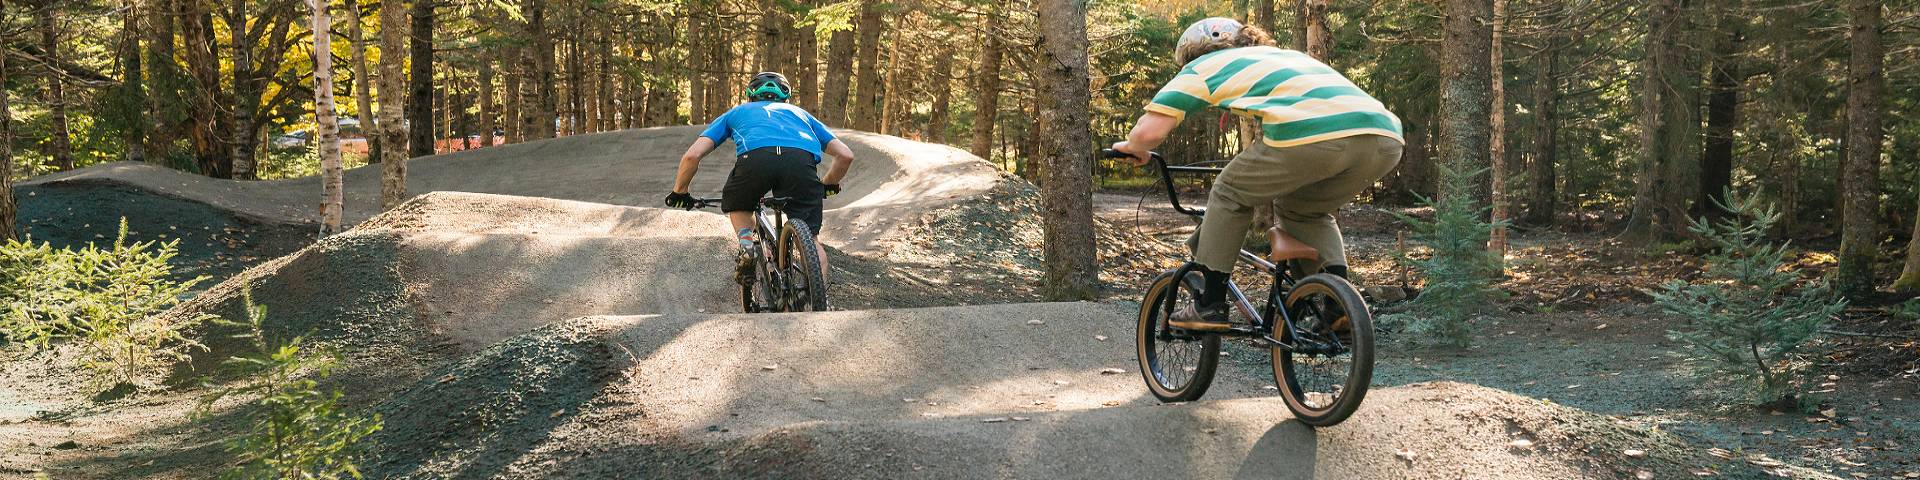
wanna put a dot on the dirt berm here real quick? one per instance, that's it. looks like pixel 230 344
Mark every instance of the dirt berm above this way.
pixel 953 392
pixel 892 182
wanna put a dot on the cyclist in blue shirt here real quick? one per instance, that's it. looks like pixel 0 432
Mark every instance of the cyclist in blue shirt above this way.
pixel 778 148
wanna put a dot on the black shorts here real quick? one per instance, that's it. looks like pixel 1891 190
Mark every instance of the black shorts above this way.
pixel 786 172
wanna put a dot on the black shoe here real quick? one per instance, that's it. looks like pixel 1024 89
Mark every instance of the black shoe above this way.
pixel 1204 318
pixel 743 267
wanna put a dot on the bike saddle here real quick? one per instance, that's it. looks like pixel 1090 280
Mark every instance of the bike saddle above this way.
pixel 1285 247
pixel 776 203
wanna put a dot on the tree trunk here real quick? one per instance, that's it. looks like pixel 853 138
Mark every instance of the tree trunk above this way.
pixel 833 102
pixel 510 93
pixel 1066 185
pixel 1466 56
pixel 806 83
pixel 1669 127
pixel 1541 198
pixel 165 116
pixel 987 86
pixel 866 103
pixel 7 207
pixel 332 196
pixel 1319 38
pixel 59 144
pixel 1263 16
pixel 362 82
pixel 1497 133
pixel 393 36
pixel 536 104
pixel 420 81
pixel 133 83
pixel 605 70
pixel 1300 24
pixel 1909 274
pixel 888 94
pixel 197 32
pixel 938 119
pixel 1867 84
pixel 1723 110
pixel 241 147
pixel 488 119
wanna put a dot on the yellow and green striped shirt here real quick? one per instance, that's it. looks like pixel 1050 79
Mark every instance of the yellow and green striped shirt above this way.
pixel 1298 99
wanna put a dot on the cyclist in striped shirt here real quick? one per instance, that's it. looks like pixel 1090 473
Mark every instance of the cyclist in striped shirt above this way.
pixel 1323 141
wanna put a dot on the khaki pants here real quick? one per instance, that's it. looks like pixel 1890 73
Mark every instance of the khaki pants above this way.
pixel 1310 182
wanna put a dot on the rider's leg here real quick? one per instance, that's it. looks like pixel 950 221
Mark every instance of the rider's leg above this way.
pixel 1307 212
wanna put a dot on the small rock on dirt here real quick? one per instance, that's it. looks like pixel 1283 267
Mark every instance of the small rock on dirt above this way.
pixel 1036 322
pixel 1521 443
pixel 994 420
pixel 67 445
pixel 1634 453
pixel 770 367
pixel 1406 454
pixel 1112 371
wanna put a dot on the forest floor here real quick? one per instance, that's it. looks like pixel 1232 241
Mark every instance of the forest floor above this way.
pixel 491 332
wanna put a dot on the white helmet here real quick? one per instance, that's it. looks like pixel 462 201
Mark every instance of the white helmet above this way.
pixel 1206 36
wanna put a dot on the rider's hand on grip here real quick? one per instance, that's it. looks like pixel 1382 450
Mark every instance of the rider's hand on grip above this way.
pixel 680 200
pixel 1123 150
pixel 833 189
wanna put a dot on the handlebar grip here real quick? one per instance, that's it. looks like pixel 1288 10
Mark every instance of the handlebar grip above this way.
pixel 1111 153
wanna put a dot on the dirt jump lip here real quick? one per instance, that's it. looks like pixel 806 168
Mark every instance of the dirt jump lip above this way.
pixel 893 180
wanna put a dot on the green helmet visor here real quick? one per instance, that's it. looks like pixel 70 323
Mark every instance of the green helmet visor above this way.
pixel 769 88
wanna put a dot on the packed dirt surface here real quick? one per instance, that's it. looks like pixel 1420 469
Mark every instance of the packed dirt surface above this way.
pixel 544 326
pixel 890 183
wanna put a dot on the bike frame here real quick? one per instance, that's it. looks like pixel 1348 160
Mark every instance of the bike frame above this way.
pixel 769 231
pixel 1274 313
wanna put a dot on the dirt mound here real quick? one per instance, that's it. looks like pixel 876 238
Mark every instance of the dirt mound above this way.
pixel 892 181
pixel 450 273
pixel 960 392
pixel 213 241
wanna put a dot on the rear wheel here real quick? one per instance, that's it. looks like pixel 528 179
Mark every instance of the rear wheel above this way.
pixel 805 278
pixel 1326 377
pixel 1177 364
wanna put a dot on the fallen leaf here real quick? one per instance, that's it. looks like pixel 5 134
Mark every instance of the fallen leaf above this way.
pixel 1100 337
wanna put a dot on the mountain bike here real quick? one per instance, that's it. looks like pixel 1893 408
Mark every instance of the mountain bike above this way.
pixel 786 274
pixel 1316 328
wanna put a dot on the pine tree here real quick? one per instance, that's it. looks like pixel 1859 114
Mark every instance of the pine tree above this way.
pixel 1751 320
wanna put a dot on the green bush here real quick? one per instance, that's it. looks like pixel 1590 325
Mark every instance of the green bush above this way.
pixel 297 431
pixel 1461 273
pixel 1749 320
pixel 106 300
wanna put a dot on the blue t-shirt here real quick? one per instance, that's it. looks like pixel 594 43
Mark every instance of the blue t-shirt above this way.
pixel 770 124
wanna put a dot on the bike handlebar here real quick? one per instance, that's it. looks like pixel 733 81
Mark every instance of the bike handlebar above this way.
pixel 1166 177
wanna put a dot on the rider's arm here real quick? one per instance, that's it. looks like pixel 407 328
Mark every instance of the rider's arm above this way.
pixel 1147 135
pixel 842 158
pixel 690 163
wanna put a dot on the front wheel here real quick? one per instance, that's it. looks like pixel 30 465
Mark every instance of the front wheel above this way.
pixel 1326 375
pixel 806 278
pixel 1177 364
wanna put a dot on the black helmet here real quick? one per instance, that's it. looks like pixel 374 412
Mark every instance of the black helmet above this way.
pixel 769 86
